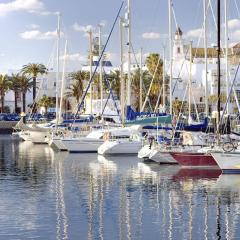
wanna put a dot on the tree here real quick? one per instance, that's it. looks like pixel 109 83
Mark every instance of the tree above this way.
pixel 213 98
pixel 14 86
pixel 115 82
pixel 25 85
pixel 155 67
pixel 45 102
pixel 34 69
pixel 136 86
pixel 77 86
pixel 4 87
pixel 177 104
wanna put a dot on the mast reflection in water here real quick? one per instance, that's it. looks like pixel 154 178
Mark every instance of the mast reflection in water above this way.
pixel 49 195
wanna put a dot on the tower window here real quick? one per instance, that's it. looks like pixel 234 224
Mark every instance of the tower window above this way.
pixel 178 50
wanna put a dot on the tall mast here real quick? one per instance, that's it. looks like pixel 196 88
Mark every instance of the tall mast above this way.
pixel 218 62
pixel 122 87
pixel 190 84
pixel 164 81
pixel 101 66
pixel 129 54
pixel 57 74
pixel 205 55
pixel 141 82
pixel 63 81
pixel 170 51
pixel 226 52
pixel 90 72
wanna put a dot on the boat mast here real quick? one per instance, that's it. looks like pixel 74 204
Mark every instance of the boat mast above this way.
pixel 226 53
pixel 164 81
pixel 122 93
pixel 63 81
pixel 170 52
pixel 141 81
pixel 57 74
pixel 129 54
pixel 218 64
pixel 206 56
pixel 101 66
pixel 90 72
pixel 190 84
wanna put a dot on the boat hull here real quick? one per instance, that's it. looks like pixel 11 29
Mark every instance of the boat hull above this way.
pixel 83 145
pixel 194 159
pixel 119 147
pixel 144 152
pixel 57 143
pixel 162 157
pixel 228 162
pixel 38 137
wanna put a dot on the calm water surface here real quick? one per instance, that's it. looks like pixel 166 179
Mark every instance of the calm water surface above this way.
pixel 50 195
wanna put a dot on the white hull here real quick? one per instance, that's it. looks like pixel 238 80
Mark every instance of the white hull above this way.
pixel 57 143
pixel 228 162
pixel 82 145
pixel 25 136
pixel 161 157
pixel 38 137
pixel 144 152
pixel 119 147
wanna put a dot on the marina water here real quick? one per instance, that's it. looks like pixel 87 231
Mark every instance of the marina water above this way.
pixel 53 195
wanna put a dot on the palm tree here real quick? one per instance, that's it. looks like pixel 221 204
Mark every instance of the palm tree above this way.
pixel 115 80
pixel 155 66
pixel 77 86
pixel 4 87
pixel 14 79
pixel 25 85
pixel 136 85
pixel 177 104
pixel 34 69
pixel 45 102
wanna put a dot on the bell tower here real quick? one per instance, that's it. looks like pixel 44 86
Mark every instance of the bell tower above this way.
pixel 178 49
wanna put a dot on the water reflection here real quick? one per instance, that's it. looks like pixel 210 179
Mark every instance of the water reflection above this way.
pixel 49 195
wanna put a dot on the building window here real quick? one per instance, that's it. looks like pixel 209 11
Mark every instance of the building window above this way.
pixel 178 50
pixel 201 99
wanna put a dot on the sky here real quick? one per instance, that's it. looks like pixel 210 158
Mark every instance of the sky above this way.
pixel 28 28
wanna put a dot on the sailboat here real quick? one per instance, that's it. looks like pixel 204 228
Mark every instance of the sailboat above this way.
pixel 204 157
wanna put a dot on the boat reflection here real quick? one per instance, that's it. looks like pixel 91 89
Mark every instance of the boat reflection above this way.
pixel 121 197
pixel 197 173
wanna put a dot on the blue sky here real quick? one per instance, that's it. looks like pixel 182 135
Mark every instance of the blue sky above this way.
pixel 28 27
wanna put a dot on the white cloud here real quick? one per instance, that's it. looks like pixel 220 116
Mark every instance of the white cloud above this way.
pixel 74 57
pixel 21 5
pixel 32 26
pixel 80 28
pixel 38 35
pixel 195 33
pixel 235 36
pixel 151 35
pixel 233 24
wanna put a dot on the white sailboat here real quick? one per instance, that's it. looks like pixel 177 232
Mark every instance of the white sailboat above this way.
pixel 94 140
pixel 125 144
pixel 228 162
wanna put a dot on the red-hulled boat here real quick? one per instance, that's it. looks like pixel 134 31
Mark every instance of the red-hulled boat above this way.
pixel 193 159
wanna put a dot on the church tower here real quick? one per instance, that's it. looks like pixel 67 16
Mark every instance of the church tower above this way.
pixel 178 46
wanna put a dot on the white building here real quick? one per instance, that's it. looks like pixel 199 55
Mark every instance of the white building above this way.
pixel 184 71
